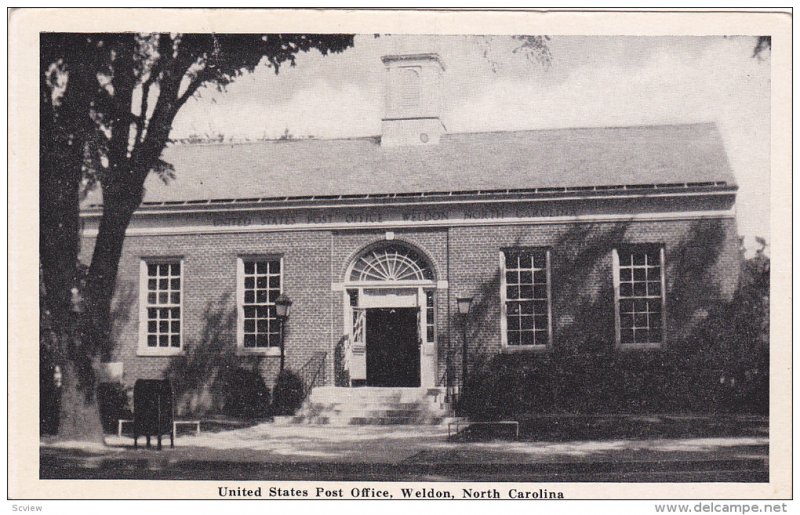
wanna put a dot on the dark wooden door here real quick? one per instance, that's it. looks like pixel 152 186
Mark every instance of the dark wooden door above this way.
pixel 392 347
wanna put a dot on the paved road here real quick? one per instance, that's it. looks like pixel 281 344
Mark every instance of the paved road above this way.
pixel 461 462
pixel 707 471
pixel 406 454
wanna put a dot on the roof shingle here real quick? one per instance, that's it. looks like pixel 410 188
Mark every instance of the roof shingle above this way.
pixel 462 161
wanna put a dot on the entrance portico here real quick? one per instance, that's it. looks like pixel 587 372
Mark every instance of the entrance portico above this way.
pixel 389 299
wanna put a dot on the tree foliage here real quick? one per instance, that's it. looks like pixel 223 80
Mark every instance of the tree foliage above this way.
pixel 763 44
pixel 107 104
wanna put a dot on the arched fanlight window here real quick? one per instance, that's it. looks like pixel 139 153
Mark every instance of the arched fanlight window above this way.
pixel 391 263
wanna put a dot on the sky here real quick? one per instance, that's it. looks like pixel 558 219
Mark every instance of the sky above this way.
pixel 590 81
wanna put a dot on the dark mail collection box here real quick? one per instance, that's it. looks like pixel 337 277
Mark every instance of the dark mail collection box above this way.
pixel 153 410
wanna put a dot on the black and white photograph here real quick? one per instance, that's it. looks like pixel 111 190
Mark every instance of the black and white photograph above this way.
pixel 380 265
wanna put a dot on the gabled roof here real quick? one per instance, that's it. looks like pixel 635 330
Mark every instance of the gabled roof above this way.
pixel 560 158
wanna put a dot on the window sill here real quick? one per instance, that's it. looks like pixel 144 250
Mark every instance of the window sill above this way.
pixel 157 352
pixel 638 346
pixel 251 351
pixel 526 348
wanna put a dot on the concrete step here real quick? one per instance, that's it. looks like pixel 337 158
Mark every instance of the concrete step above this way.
pixel 370 411
pixel 415 406
pixel 353 413
pixel 358 421
pixel 390 421
pixel 338 406
pixel 373 400
pixel 334 392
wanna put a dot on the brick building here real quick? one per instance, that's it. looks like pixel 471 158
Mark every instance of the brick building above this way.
pixel 590 240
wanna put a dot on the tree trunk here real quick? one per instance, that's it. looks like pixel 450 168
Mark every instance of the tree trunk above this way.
pixel 79 412
pixel 117 212
pixel 63 133
pixel 87 342
pixel 61 158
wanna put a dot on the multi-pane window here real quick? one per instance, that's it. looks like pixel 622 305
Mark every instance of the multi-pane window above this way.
pixel 163 307
pixel 430 331
pixel 527 297
pixel 261 286
pixel 640 295
pixel 353 296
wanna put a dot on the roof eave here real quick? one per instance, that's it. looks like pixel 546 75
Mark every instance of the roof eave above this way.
pixel 532 194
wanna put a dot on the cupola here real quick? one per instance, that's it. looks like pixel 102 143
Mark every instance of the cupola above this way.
pixel 413 100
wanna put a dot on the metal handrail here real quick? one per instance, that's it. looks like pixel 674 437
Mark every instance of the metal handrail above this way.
pixel 312 370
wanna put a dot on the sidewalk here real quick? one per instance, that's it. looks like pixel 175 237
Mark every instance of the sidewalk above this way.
pixel 267 451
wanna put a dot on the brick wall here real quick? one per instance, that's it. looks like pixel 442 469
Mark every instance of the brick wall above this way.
pixel 209 286
pixel 702 265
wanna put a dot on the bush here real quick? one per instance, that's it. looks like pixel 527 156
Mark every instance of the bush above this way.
pixel 506 385
pixel 288 394
pixel 596 383
pixel 720 365
pixel 112 399
pixel 245 394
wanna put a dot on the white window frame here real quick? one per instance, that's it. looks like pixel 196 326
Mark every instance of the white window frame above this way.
pixel 504 308
pixel 617 324
pixel 143 349
pixel 424 315
pixel 240 348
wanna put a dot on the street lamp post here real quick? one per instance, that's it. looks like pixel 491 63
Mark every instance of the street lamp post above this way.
pixel 464 306
pixel 282 306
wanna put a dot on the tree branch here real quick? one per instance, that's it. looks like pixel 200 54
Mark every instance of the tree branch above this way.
pixel 173 68
pixel 198 81
pixel 119 100
pixel 143 107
